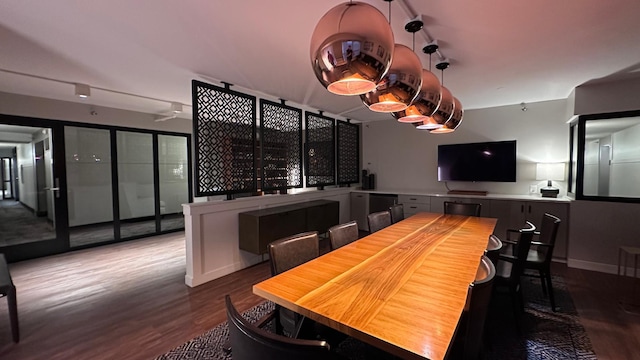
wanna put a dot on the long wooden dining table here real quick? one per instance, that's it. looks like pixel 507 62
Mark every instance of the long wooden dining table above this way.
pixel 401 289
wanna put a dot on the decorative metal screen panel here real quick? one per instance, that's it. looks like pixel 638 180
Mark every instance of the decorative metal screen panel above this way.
pixel 224 129
pixel 281 145
pixel 348 151
pixel 320 150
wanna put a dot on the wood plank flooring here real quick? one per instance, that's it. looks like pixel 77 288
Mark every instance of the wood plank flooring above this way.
pixel 129 301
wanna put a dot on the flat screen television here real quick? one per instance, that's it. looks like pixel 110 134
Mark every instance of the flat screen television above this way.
pixel 485 161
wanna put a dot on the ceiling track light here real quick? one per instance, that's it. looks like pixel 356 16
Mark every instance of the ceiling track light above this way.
pixel 176 107
pixel 82 90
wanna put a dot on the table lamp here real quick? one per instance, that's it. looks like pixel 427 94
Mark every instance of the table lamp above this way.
pixel 549 172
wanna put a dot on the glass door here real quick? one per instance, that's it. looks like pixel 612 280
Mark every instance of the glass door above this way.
pixel 89 191
pixel 136 190
pixel 31 201
pixel 173 180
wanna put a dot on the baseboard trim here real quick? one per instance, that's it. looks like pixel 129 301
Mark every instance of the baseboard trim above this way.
pixel 599 267
pixel 199 279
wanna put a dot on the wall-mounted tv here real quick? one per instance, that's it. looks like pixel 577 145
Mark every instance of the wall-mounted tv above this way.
pixel 485 161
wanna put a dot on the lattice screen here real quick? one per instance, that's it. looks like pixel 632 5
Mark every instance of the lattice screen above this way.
pixel 348 152
pixel 224 130
pixel 281 145
pixel 319 150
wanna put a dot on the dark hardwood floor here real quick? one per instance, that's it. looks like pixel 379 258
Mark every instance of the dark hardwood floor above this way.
pixel 129 301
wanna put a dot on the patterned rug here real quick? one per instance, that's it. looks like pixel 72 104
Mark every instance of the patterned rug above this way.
pixel 545 334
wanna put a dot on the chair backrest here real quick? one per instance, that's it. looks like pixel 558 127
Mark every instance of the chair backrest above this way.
pixel 522 250
pixel 343 234
pixel 397 213
pixel 249 342
pixel 291 251
pixel 494 245
pixel 469 335
pixel 378 220
pixel 456 208
pixel 548 232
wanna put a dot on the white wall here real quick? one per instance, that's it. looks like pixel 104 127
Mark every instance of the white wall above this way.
pixel 30 106
pixel 27 175
pixel 607 96
pixel 405 158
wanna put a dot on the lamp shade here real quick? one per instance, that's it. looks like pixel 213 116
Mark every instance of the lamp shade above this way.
pixel 550 171
pixel 445 110
pixel 426 104
pixel 456 119
pixel 400 86
pixel 351 48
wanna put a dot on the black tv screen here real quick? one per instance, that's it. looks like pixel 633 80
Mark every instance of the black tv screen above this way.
pixel 486 161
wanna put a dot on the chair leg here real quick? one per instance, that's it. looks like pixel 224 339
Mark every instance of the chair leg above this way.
pixel 516 308
pixel 550 285
pixel 12 303
pixel 542 281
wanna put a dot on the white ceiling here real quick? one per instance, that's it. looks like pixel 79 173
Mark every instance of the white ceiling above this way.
pixel 501 51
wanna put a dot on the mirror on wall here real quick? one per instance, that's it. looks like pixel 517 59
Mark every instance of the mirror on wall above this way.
pixel 608 157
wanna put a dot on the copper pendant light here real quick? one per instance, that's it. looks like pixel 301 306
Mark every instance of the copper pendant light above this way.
pixel 455 120
pixel 426 103
pixel 351 48
pixel 446 108
pixel 420 113
pixel 400 86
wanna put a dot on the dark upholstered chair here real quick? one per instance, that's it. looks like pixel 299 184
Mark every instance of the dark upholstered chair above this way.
pixel 541 252
pixel 467 342
pixel 285 254
pixel 8 290
pixel 249 342
pixel 397 213
pixel 456 208
pixel 510 269
pixel 343 234
pixel 494 246
pixel 378 220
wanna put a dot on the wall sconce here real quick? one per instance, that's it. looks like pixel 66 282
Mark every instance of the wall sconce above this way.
pixel 83 90
pixel 549 172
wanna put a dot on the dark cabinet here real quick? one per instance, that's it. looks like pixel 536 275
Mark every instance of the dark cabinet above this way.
pixel 258 228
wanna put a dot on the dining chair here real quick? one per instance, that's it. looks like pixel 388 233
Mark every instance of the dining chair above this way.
pixel 343 234
pixel 378 220
pixel 285 254
pixel 510 268
pixel 467 209
pixel 397 213
pixel 250 342
pixel 494 246
pixel 468 339
pixel 541 253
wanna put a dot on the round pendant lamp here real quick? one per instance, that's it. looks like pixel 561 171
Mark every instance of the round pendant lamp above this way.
pixel 455 120
pixel 426 104
pixel 444 112
pixel 400 86
pixel 351 48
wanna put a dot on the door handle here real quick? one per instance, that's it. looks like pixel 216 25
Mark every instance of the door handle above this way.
pixel 55 189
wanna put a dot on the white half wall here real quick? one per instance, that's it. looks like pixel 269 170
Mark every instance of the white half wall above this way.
pixel 211 231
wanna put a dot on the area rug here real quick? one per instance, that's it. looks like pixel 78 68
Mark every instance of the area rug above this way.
pixel 545 334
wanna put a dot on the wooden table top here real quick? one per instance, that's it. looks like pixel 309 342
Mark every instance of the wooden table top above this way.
pixel 401 289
